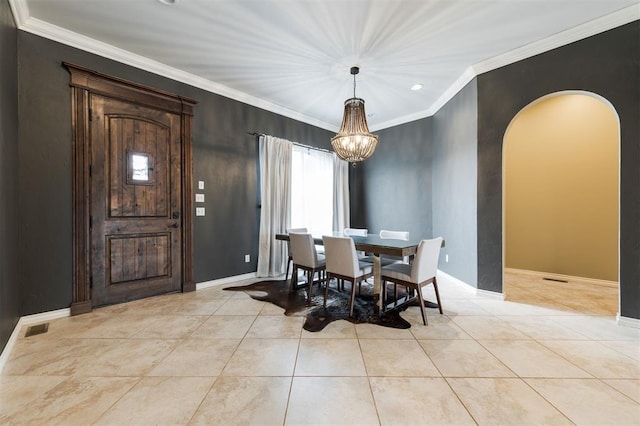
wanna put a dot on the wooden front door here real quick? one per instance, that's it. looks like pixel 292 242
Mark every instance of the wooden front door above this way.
pixel 135 201
pixel 132 190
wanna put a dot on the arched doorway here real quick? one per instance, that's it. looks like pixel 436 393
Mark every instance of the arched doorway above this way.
pixel 561 206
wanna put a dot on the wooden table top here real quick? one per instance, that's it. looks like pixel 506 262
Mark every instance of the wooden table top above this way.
pixel 372 243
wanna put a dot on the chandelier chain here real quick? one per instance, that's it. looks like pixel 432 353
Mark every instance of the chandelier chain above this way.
pixel 354 85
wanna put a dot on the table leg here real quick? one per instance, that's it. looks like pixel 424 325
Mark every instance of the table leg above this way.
pixel 377 283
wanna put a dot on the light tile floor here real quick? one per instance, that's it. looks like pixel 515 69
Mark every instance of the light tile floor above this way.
pixel 575 295
pixel 216 357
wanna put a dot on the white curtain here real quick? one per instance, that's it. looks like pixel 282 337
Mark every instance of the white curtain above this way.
pixel 340 194
pixel 275 183
pixel 312 190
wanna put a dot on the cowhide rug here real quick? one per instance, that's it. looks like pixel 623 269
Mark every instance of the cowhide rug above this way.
pixel 318 317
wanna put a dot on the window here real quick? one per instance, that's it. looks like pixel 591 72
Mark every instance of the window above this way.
pixel 139 168
pixel 312 190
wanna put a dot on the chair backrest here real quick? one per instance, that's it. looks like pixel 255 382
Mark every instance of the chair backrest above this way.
pixel 303 250
pixel 341 256
pixel 396 235
pixel 425 263
pixel 294 231
pixel 297 231
pixel 358 232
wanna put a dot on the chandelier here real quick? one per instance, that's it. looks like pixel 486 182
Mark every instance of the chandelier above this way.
pixel 354 142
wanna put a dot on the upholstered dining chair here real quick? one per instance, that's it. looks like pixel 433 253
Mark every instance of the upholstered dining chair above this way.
pixel 394 235
pixel 358 232
pixel 290 260
pixel 386 259
pixel 416 275
pixel 362 256
pixel 355 232
pixel 306 257
pixel 343 264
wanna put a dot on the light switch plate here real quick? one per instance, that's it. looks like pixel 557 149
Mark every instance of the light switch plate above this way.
pixel 200 184
pixel 199 211
pixel 199 198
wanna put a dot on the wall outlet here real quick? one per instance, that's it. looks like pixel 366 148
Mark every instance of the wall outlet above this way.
pixel 199 211
pixel 199 198
pixel 247 258
pixel 446 258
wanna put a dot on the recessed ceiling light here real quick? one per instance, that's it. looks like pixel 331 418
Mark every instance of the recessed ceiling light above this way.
pixel 169 2
pixel 416 87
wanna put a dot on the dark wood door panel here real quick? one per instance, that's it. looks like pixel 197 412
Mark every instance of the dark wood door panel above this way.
pixel 138 257
pixel 135 201
pixel 142 192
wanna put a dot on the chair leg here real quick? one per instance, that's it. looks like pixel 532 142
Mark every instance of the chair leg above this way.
pixel 435 287
pixel 422 309
pixel 310 275
pixel 326 290
pixel 353 298
pixel 286 274
pixel 294 278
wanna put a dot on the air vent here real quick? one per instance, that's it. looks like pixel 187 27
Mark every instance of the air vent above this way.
pixel 556 280
pixel 37 329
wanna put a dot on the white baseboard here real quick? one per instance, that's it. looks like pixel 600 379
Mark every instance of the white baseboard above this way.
pixel 494 295
pixel 29 320
pixel 628 322
pixel 569 278
pixel 456 281
pixel 477 291
pixel 62 313
pixel 226 280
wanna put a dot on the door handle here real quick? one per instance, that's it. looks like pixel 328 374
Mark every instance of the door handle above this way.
pixel 174 225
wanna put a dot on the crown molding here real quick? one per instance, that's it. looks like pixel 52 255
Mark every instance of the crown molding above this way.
pixel 20 11
pixel 464 79
pixel 70 38
pixel 35 26
pixel 591 28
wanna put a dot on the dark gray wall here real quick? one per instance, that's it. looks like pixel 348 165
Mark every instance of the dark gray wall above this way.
pixel 422 178
pixel 225 157
pixel 37 277
pixel 9 277
pixel 392 189
pixel 455 148
pixel 607 64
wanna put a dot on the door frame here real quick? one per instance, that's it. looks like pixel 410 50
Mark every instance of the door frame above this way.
pixel 85 82
pixel 613 110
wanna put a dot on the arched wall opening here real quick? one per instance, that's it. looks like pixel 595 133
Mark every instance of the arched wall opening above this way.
pixel 561 168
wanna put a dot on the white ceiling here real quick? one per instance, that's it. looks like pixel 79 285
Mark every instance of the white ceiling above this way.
pixel 293 56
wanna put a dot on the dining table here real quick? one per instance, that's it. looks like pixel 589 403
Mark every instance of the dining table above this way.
pixel 375 246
